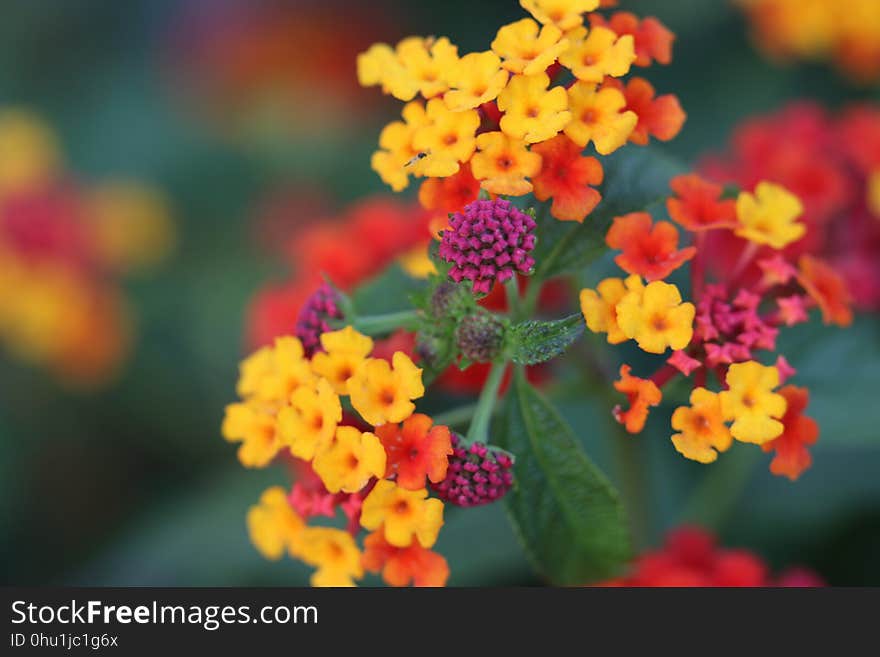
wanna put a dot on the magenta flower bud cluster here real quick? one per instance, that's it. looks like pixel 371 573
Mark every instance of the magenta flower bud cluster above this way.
pixel 732 330
pixel 477 474
pixel 314 318
pixel 488 241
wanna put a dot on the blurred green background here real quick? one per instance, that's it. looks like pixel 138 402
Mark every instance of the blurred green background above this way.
pixel 134 485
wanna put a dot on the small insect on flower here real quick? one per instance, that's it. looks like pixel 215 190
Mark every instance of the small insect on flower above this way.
pixel 421 155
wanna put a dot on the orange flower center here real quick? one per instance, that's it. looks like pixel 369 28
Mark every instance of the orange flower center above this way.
pixel 658 322
pixel 589 116
pixel 386 396
pixel 504 162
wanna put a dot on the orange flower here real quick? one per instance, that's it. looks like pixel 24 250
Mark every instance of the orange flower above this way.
pixel 827 288
pixel 792 457
pixel 699 205
pixel 450 194
pixel 416 450
pixel 566 175
pixel 503 165
pixel 641 394
pixel 400 566
pixel 649 250
pixel 660 117
pixel 653 42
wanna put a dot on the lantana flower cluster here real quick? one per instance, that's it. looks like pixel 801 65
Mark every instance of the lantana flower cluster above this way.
pixel 482 129
pixel 735 317
pixel 516 118
pixel 846 32
pixel 64 248
pixel 293 403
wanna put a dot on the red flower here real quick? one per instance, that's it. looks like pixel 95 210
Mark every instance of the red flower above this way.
pixel 827 288
pixel 566 175
pixel 400 566
pixel 690 557
pixel 698 204
pixel 416 450
pixel 792 457
pixel 859 130
pixel 653 42
pixel 450 194
pixel 661 117
pixel 641 394
pixel 649 250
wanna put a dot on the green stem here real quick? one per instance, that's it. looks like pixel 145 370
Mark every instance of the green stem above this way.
pixel 387 323
pixel 479 429
pixel 456 416
pixel 512 288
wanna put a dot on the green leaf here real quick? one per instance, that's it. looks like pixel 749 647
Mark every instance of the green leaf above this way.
pixel 387 293
pixel 533 341
pixel 566 513
pixel 635 178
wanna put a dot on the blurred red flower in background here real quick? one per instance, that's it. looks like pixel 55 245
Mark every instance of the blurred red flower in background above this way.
pixel 690 556
pixel 830 162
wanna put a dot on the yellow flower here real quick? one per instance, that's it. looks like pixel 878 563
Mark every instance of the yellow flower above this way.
pixel 531 111
pixel 769 216
pixel 503 164
pixel 656 318
pixel 29 153
pixel 253 370
pixel 565 14
pixel 253 425
pixel 527 50
pixel 398 156
pixel 476 79
pixel 380 65
pixel 344 352
pixel 428 62
pixel 334 553
pixel 874 193
pixel 446 139
pixel 131 225
pixel 417 262
pixel 405 514
pixel 598 53
pixel 751 403
pixel 308 424
pixel 383 393
pixel 350 461
pixel 599 306
pixel 274 526
pixel 289 371
pixel 702 427
pixel 597 115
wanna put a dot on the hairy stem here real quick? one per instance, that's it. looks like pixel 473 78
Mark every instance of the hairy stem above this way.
pixel 387 323
pixel 479 429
